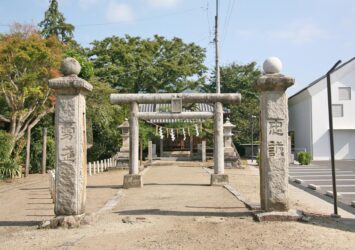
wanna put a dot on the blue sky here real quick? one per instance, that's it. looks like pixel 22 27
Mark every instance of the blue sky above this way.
pixel 309 36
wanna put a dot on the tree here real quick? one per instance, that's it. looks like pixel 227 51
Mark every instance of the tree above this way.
pixel 240 78
pixel 27 62
pixel 54 24
pixel 133 64
pixel 104 118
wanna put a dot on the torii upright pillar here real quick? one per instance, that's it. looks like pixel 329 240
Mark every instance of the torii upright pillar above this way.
pixel 218 177
pixel 133 179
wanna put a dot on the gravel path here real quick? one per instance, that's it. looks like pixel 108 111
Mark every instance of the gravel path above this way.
pixel 176 209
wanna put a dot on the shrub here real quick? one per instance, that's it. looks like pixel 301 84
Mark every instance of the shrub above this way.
pixel 258 159
pixel 6 145
pixel 36 155
pixel 304 158
pixel 9 169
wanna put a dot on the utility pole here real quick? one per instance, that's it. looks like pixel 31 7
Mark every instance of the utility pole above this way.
pixel 218 80
pixel 331 139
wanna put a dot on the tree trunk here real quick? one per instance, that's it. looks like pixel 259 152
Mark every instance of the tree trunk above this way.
pixel 28 150
pixel 44 151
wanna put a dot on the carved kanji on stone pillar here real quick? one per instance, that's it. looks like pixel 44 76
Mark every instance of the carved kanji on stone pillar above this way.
pixel 274 136
pixel 70 129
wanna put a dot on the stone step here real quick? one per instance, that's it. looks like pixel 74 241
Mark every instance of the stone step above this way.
pixel 176 158
pixel 181 163
pixel 176 153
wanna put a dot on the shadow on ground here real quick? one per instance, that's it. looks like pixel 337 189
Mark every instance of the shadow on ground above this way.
pixel 183 213
pixel 176 184
pixel 106 186
pixel 344 224
pixel 19 223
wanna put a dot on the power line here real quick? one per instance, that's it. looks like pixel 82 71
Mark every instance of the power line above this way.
pixel 227 20
pixel 208 19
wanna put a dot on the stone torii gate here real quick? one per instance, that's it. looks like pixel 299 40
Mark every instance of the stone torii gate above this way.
pixel 134 179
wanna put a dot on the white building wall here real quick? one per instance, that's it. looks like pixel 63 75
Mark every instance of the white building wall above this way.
pixel 344 127
pixel 300 113
pixel 320 124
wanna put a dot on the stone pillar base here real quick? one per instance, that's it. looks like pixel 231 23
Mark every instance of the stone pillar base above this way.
pixel 219 179
pixel 133 181
pixel 68 221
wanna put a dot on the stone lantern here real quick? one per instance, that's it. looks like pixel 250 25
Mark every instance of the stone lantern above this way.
pixel 125 136
pixel 122 157
pixel 231 156
pixel 227 128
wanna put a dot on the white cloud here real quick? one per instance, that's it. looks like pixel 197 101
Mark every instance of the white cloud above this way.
pixel 299 33
pixel 119 12
pixel 162 3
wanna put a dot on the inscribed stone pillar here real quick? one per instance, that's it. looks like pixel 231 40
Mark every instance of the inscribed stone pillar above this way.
pixel 191 146
pixel 274 137
pixel 154 151
pixel 203 150
pixel 161 147
pixel 70 129
pixel 150 151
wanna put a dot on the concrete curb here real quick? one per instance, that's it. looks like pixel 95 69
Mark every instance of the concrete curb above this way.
pixel 330 194
pixel 239 196
pixel 111 203
pixel 298 181
pixel 313 187
pixel 145 170
pixel 291 215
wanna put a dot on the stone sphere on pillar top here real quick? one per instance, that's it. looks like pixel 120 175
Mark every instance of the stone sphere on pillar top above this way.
pixel 272 65
pixel 70 66
pixel 272 79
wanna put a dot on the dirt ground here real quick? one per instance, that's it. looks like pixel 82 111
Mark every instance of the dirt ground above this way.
pixel 176 209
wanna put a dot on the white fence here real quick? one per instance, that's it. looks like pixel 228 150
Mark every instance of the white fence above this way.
pixel 52 184
pixel 100 166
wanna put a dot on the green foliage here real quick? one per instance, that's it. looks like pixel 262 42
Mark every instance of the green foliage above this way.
pixel 37 145
pixel 146 133
pixel 133 64
pixel 54 24
pixel 304 158
pixel 6 145
pixel 258 159
pixel 27 62
pixel 240 78
pixel 9 169
pixel 36 155
pixel 105 119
